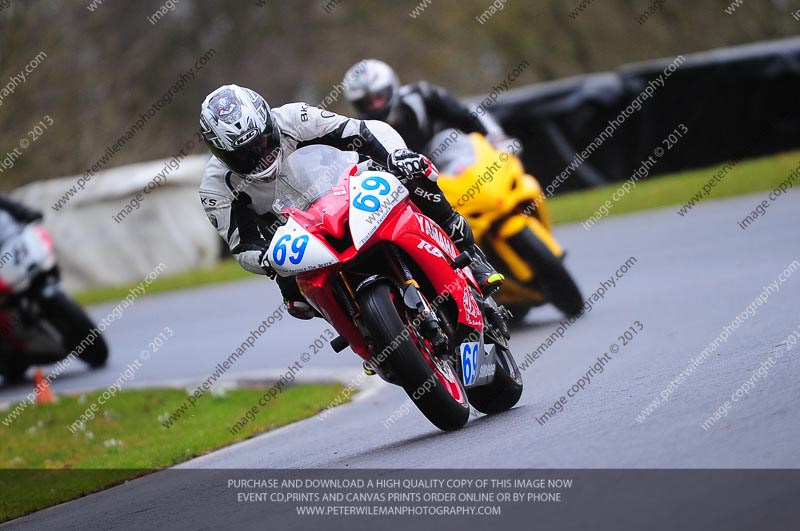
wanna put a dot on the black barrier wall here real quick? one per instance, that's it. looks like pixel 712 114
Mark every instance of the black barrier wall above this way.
pixel 734 103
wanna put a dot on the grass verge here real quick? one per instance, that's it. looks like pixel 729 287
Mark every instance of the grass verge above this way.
pixel 676 189
pixel 225 271
pixel 127 439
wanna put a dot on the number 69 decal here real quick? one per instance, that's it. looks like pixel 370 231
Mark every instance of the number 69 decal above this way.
pixel 469 362
pixel 294 250
pixel 298 248
pixel 373 196
pixel 368 202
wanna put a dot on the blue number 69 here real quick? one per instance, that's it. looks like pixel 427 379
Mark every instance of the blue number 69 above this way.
pixel 299 249
pixel 373 183
pixel 280 252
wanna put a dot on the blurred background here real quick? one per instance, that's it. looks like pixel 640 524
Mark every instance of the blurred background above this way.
pixel 106 66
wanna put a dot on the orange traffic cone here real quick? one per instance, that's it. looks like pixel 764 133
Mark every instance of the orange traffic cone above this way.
pixel 44 395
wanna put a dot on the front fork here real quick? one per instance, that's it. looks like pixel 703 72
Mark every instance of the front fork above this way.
pixel 413 300
pixel 45 286
pixel 430 323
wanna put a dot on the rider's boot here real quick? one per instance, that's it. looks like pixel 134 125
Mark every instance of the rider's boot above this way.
pixel 296 305
pixel 489 280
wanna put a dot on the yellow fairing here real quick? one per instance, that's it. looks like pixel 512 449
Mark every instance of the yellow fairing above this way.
pixel 500 200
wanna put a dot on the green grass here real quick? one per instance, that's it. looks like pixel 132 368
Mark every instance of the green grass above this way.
pixel 676 189
pixel 225 271
pixel 43 463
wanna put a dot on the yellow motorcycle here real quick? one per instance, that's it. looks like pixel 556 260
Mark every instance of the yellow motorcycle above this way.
pixel 507 211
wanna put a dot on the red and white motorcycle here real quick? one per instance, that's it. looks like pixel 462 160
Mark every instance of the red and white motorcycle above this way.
pixel 393 285
pixel 39 324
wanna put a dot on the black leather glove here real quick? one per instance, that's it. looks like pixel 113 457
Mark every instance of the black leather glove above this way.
pixel 411 165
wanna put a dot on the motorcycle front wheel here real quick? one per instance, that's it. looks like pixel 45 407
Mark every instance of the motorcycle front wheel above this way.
pixel 432 385
pixel 74 325
pixel 550 275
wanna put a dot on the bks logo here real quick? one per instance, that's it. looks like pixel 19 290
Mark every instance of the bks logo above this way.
pixel 428 196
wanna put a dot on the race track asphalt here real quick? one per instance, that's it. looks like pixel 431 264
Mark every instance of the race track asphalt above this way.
pixel 692 276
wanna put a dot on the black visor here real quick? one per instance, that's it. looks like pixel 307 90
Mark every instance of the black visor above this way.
pixel 255 156
pixel 376 104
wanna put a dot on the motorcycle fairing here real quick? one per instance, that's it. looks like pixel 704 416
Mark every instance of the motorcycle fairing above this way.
pixel 373 195
pixel 294 250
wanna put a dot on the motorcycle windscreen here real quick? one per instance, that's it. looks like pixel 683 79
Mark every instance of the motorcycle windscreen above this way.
pixel 309 174
pixel 452 152
pixel 295 250
pixel 373 195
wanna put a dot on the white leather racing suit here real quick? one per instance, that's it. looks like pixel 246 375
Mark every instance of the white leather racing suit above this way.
pixel 241 209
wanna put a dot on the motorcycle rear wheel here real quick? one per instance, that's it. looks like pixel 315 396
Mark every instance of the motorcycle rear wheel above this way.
pixel 551 276
pixel 13 370
pixel 74 326
pixel 445 406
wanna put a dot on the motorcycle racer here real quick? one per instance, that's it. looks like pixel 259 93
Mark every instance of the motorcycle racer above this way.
pixel 417 111
pixel 18 211
pixel 22 214
pixel 248 141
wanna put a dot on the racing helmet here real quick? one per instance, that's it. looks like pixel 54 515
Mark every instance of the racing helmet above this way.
pixel 372 87
pixel 238 128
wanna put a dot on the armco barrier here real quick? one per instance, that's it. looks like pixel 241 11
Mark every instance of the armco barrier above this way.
pixel 737 102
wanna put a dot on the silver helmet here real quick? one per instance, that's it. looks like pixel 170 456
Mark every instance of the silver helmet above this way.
pixel 238 129
pixel 372 87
